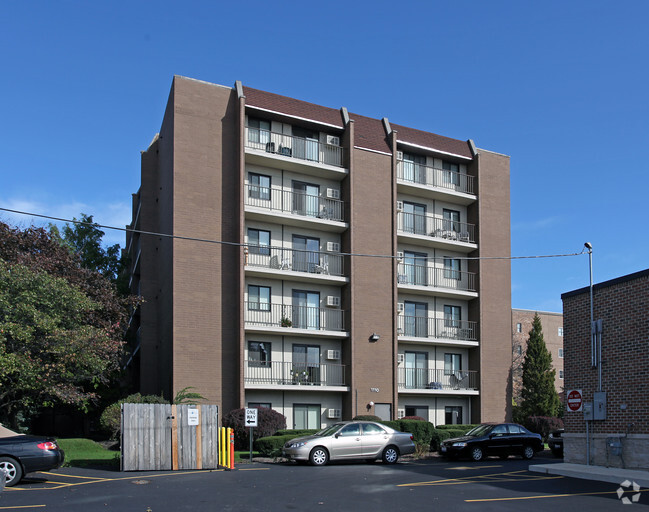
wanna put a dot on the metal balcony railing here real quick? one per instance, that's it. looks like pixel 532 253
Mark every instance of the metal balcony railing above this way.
pixel 423 378
pixel 437 227
pixel 295 203
pixel 419 174
pixel 441 328
pixel 293 260
pixel 420 275
pixel 311 150
pixel 294 317
pixel 286 373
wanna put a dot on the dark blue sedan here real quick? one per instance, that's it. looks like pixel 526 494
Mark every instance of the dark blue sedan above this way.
pixel 20 455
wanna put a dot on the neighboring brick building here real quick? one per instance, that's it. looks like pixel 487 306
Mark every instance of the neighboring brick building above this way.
pixel 281 315
pixel 623 306
pixel 552 325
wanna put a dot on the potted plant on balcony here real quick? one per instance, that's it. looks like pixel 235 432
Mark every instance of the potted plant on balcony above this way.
pixel 286 322
pixel 300 375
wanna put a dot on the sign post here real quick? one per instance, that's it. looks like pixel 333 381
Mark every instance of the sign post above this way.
pixel 575 400
pixel 251 421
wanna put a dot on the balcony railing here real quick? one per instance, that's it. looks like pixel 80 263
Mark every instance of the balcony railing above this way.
pixel 442 328
pixel 419 174
pixel 311 150
pixel 437 227
pixel 422 378
pixel 283 373
pixel 295 203
pixel 294 317
pixel 293 260
pixel 420 275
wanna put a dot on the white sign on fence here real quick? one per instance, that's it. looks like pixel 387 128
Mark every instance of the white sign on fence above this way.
pixel 251 417
pixel 192 416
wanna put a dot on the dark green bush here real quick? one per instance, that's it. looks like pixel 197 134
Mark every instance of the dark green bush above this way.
pixel 422 431
pixel 271 446
pixel 440 434
pixel 296 433
pixel 466 428
pixel 543 425
pixel 111 419
pixel 268 422
pixel 367 417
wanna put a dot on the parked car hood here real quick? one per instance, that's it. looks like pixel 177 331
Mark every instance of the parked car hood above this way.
pixel 459 439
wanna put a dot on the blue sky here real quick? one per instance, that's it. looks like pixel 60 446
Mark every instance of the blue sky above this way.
pixel 561 87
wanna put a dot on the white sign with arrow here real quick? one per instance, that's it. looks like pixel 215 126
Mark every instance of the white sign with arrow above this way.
pixel 251 417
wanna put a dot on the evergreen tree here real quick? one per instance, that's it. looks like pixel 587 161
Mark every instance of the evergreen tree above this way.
pixel 540 397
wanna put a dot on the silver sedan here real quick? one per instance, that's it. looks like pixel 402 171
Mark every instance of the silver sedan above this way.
pixel 351 440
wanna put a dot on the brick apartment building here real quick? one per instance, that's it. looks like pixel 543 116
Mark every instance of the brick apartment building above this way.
pixel 341 283
pixel 552 325
pixel 621 439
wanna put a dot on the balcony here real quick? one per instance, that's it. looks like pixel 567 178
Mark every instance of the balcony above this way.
pixel 436 231
pixel 295 208
pixel 267 147
pixel 301 265
pixel 420 278
pixel 289 319
pixel 441 183
pixel 441 330
pixel 436 381
pixel 278 373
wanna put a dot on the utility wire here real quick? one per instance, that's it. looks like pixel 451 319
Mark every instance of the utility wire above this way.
pixel 238 244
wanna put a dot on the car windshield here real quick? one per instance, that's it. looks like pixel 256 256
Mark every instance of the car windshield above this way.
pixel 329 430
pixel 480 430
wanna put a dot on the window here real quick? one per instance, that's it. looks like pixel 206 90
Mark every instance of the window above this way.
pixel 414 218
pixel 560 353
pixel 452 268
pixel 258 241
pixel 414 264
pixel 515 429
pixel 561 374
pixel 414 168
pixel 451 220
pixel 259 186
pixel 417 410
pixel 258 130
pixel 258 298
pixel 452 363
pixel 306 253
pixel 451 173
pixel 306 199
pixel 519 350
pixel 351 430
pixel 370 429
pixel 452 316
pixel 306 309
pixel 415 318
pixel 416 370
pixel 259 405
pixel 560 331
pixel 306 416
pixel 519 328
pixel 259 354
pixel 453 415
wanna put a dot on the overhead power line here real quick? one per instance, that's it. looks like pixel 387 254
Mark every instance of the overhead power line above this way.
pixel 239 244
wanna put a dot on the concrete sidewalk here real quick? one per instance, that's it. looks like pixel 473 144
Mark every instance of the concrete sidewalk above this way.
pixel 598 473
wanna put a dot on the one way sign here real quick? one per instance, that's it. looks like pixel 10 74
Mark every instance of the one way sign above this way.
pixel 251 417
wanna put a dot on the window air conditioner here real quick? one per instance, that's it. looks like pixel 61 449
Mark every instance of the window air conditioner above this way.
pixel 333 301
pixel 333 247
pixel 333 193
pixel 333 140
pixel 333 354
pixel 400 255
pixel 399 155
pixel 333 413
pixel 400 358
pixel 399 206
pixel 399 307
pixel 401 413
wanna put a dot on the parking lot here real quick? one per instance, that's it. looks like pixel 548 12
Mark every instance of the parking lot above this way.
pixel 492 484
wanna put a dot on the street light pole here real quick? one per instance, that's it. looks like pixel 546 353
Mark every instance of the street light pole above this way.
pixel 593 348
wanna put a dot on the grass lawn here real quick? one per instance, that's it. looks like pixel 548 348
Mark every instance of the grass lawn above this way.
pixel 84 453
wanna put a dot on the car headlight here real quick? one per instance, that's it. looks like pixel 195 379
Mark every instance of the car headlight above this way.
pixel 297 445
pixel 459 445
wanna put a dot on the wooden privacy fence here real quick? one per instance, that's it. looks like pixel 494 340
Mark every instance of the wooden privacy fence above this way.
pixel 165 437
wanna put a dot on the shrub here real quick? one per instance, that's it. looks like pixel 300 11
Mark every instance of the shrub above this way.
pixel 440 435
pixel 271 446
pixel 367 417
pixel 268 422
pixel 466 427
pixel 422 431
pixel 296 433
pixel 543 425
pixel 111 418
pixel 417 418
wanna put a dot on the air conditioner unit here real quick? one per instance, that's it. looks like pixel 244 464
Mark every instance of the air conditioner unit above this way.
pixel 401 413
pixel 400 255
pixel 333 301
pixel 333 193
pixel 400 307
pixel 400 358
pixel 399 206
pixel 333 247
pixel 333 413
pixel 399 155
pixel 333 354
pixel 333 140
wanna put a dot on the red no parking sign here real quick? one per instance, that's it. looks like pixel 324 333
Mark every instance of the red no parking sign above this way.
pixel 574 399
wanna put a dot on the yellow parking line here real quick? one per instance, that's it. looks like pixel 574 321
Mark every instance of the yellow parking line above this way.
pixel 22 506
pixel 254 469
pixel 512 476
pixel 71 476
pixel 548 496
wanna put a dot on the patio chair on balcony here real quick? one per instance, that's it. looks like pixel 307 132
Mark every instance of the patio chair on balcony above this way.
pixel 459 380
pixel 284 151
pixel 463 236
pixel 326 213
pixel 270 147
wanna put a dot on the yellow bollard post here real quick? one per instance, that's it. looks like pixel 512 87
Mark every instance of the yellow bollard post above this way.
pixel 222 446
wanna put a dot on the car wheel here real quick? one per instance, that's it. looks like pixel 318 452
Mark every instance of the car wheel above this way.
pixel 477 453
pixel 390 455
pixel 528 452
pixel 319 456
pixel 13 470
